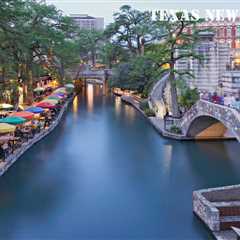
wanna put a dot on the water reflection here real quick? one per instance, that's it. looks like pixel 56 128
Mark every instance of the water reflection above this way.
pixel 90 97
pixel 117 103
pixel 130 113
pixel 109 175
pixel 75 107
pixel 167 158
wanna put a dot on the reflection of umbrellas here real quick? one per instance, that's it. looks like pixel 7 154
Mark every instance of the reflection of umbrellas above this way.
pixel 39 89
pixel 23 114
pixel 35 110
pixel 13 120
pixel 6 106
pixel 6 128
pixel 45 105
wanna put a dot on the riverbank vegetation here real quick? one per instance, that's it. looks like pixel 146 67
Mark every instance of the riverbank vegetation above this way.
pixel 38 40
pixel 154 46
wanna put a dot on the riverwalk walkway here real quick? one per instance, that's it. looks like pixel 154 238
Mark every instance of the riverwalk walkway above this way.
pixel 17 153
pixel 156 122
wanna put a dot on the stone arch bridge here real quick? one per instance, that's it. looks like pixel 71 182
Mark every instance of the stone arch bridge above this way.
pixel 96 76
pixel 209 120
pixel 205 120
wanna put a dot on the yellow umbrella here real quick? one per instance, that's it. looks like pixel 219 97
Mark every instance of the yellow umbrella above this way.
pixel 52 101
pixel 6 106
pixel 7 128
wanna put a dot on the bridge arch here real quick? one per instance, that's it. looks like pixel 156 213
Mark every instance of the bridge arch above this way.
pixel 208 127
pixel 205 118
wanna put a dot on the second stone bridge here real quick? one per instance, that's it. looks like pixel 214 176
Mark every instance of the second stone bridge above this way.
pixel 209 120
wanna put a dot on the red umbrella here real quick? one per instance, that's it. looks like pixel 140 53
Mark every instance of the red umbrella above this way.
pixel 23 114
pixel 45 105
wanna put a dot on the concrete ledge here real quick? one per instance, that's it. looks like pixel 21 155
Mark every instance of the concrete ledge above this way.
pixel 11 159
pixel 156 122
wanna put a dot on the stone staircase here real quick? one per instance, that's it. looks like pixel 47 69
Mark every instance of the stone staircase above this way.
pixel 229 214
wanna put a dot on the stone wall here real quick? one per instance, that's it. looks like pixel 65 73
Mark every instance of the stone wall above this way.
pixel 204 208
pixel 206 211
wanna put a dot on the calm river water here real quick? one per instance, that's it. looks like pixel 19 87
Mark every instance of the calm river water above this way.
pixel 105 173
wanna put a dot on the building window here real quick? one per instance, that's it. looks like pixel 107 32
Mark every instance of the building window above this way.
pixel 222 32
pixel 238 31
pixel 229 32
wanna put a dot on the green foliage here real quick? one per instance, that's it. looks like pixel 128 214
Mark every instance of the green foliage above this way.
pixel 144 104
pixel 188 97
pixel 34 38
pixel 149 112
pixel 131 29
pixel 89 43
pixel 175 129
pixel 138 74
pixel 111 54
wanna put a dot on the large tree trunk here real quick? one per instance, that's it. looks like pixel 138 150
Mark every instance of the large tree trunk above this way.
pixel 173 91
pixel 29 81
pixel 93 57
pixel 62 73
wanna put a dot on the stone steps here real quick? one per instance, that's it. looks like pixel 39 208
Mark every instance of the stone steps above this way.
pixel 226 222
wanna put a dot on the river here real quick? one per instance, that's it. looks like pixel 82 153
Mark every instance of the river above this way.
pixel 105 173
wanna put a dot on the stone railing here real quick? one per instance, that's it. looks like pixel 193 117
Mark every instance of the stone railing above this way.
pixel 228 116
pixel 100 74
pixel 11 159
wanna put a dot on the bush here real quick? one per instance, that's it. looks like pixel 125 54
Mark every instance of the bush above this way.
pixel 149 112
pixel 144 105
pixel 175 129
pixel 188 98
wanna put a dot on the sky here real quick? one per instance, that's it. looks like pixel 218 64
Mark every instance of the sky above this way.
pixel 100 8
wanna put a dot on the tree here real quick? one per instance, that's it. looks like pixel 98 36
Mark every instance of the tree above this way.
pixel 132 29
pixel 89 42
pixel 138 74
pixel 111 54
pixel 188 97
pixel 178 43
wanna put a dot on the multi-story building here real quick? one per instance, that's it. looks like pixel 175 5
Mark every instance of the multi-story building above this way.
pixel 226 31
pixel 208 71
pixel 87 22
pixel 220 69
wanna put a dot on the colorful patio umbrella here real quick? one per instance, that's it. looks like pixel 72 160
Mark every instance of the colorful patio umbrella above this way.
pixel 23 114
pixel 69 85
pixel 13 120
pixel 45 105
pixel 6 106
pixel 62 90
pixel 52 101
pixel 6 128
pixel 39 89
pixel 35 110
pixel 54 97
pixel 62 95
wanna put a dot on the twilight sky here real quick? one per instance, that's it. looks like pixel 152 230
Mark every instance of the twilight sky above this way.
pixel 100 8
